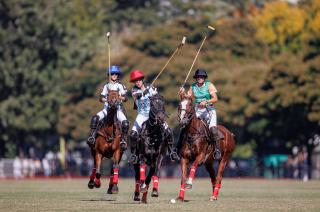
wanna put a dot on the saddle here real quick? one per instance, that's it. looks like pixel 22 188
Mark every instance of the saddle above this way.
pixel 104 125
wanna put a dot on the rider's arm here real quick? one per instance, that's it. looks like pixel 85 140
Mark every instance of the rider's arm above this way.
pixel 104 94
pixel 123 93
pixel 213 92
pixel 136 94
pixel 102 99
pixel 185 95
pixel 152 90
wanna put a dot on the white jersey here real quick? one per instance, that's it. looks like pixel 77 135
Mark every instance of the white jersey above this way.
pixel 113 86
pixel 143 104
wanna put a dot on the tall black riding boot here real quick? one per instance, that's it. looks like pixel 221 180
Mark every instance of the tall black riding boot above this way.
pixel 133 146
pixel 94 127
pixel 172 151
pixel 217 137
pixel 124 134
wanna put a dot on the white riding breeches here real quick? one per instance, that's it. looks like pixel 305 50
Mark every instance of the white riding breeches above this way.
pixel 140 120
pixel 209 115
pixel 120 115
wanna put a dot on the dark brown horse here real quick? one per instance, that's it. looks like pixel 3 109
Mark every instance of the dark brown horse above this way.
pixel 155 139
pixel 107 145
pixel 197 148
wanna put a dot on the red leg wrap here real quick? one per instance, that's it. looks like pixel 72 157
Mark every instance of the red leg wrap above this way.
pixel 143 172
pixel 115 175
pixel 216 190
pixel 93 174
pixel 97 181
pixel 181 194
pixel 137 186
pixel 192 171
pixel 111 180
pixel 155 180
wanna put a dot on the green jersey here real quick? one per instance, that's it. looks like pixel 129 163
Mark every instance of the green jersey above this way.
pixel 201 93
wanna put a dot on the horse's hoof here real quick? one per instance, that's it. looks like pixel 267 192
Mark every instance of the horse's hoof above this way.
pixel 189 183
pixel 136 196
pixel 109 191
pixel 115 189
pixel 213 198
pixel 154 193
pixel 143 188
pixel 97 185
pixel 188 186
pixel 143 200
pixel 91 184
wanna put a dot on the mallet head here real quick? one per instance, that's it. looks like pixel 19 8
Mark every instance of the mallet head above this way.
pixel 183 40
pixel 212 28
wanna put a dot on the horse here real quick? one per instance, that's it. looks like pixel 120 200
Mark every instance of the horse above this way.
pixel 107 145
pixel 197 148
pixel 152 146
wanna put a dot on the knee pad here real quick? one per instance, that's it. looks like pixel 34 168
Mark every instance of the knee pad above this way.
pixel 125 124
pixel 94 122
pixel 133 135
pixel 168 132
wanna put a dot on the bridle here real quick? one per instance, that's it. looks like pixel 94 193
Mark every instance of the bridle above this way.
pixel 188 116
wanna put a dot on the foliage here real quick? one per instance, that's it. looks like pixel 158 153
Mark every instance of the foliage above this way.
pixel 53 61
pixel 276 29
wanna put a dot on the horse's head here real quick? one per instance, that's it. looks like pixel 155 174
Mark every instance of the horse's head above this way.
pixel 185 111
pixel 157 110
pixel 113 99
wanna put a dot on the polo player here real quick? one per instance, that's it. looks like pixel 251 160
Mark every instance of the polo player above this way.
pixel 141 93
pixel 113 85
pixel 205 95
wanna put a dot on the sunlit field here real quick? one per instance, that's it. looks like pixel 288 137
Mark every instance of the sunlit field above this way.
pixel 235 195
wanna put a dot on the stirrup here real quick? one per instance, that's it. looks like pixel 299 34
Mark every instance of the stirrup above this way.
pixel 133 159
pixel 217 154
pixel 91 141
pixel 174 156
pixel 123 145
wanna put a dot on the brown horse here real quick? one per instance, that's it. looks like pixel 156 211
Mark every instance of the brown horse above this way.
pixel 197 148
pixel 107 145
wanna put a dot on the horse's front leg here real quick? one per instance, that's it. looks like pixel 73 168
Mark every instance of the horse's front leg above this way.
pixel 93 171
pixel 145 186
pixel 209 167
pixel 184 165
pixel 155 177
pixel 115 169
pixel 97 182
pixel 109 191
pixel 136 195
pixel 193 169
pixel 221 168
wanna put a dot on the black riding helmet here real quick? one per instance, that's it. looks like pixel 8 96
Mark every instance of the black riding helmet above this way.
pixel 200 73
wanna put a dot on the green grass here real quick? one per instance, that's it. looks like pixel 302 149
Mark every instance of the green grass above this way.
pixel 235 195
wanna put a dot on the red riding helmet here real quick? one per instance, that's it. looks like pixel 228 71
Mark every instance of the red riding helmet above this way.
pixel 136 74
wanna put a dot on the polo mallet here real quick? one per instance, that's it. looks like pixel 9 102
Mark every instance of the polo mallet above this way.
pixel 204 39
pixel 108 37
pixel 175 51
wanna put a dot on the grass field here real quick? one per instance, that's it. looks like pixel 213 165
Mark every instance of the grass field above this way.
pixel 235 195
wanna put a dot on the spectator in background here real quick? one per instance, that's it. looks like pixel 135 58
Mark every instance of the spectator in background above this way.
pixel 46 167
pixel 303 164
pixel 17 168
